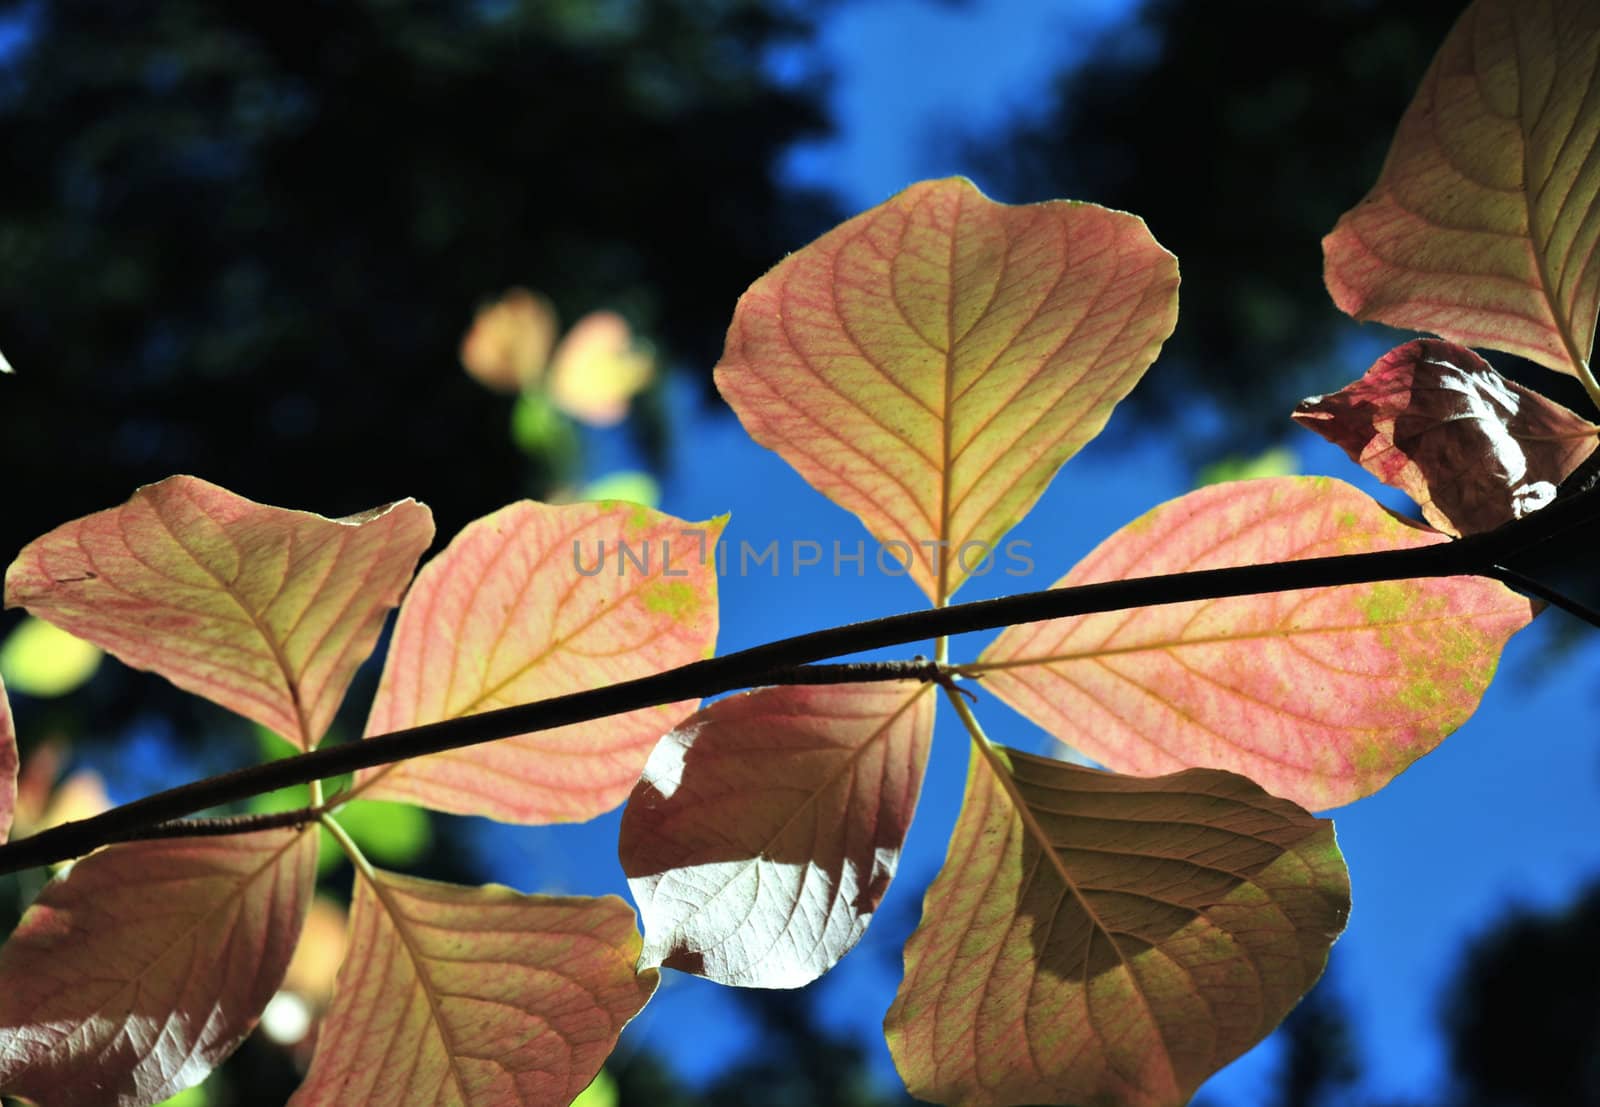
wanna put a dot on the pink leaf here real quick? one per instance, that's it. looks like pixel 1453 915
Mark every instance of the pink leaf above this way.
pixel 931 363
pixel 1100 939
pixel 1474 449
pixel 1482 225
pixel 136 973
pixel 536 601
pixel 8 764
pixel 479 997
pixel 265 611
pixel 767 826
pixel 1320 695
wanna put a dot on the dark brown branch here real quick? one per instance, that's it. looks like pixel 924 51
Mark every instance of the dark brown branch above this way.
pixel 1480 555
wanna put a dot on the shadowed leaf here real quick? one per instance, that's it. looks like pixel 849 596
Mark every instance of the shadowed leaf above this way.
pixel 8 764
pixel 931 363
pixel 1108 940
pixel 1472 448
pixel 474 996
pixel 138 971
pixel 536 601
pixel 1319 695
pixel 766 828
pixel 265 611
pixel 1482 226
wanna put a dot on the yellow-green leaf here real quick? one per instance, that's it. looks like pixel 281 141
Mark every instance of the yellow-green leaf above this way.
pixel 1098 939
pixel 536 601
pixel 43 660
pixel 931 363
pixel 1319 695
pixel 477 997
pixel 1483 225
pixel 766 828
pixel 265 611
pixel 146 964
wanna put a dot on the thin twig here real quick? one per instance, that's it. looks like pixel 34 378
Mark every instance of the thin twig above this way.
pixel 776 662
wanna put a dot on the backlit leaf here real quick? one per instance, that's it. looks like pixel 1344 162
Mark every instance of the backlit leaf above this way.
pixel 931 363
pixel 1482 227
pixel 536 601
pixel 1474 449
pixel 1319 695
pixel 767 826
pixel 8 764
pixel 1096 939
pixel 137 972
pixel 480 997
pixel 265 611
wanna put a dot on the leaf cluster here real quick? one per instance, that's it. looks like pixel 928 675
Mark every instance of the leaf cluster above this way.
pixel 1234 659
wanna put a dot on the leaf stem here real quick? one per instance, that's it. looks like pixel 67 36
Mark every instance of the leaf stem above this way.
pixel 789 660
pixel 348 844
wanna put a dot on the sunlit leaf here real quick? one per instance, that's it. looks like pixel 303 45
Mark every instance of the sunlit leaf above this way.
pixel 598 368
pixel 931 363
pixel 1483 226
pixel 767 826
pixel 1096 939
pixel 536 601
pixel 1319 695
pixel 1474 449
pixel 132 976
pixel 8 763
pixel 509 342
pixel 265 611
pixel 474 996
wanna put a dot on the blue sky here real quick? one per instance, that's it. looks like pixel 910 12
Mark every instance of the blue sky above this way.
pixel 1501 814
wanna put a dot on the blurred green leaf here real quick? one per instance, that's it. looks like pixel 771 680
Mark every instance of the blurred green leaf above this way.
pixel 42 660
pixel 1279 461
pixel 196 1096
pixel 540 430
pixel 390 833
pixel 601 1092
pixel 630 485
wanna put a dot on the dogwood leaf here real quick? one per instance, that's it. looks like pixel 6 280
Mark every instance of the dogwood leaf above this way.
pixel 1474 449
pixel 265 611
pixel 767 826
pixel 931 363
pixel 535 601
pixel 1482 226
pixel 8 764
pixel 1319 695
pixel 474 996
pixel 137 972
pixel 1103 939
